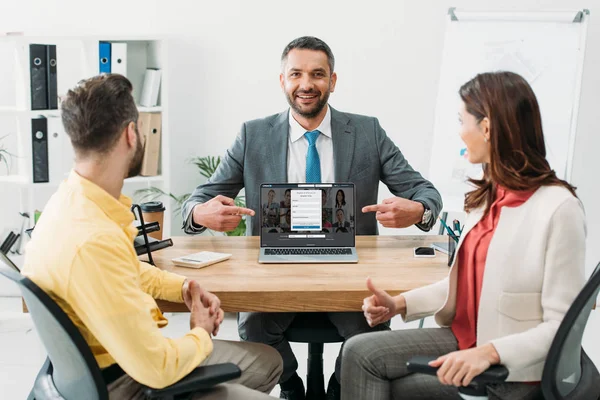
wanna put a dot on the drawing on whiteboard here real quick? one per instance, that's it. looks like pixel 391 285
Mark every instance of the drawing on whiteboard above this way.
pixel 509 56
pixel 513 63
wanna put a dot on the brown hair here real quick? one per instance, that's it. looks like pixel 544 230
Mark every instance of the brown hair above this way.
pixel 97 111
pixel 518 152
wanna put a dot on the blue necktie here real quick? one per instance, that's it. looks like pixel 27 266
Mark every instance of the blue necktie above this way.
pixel 313 163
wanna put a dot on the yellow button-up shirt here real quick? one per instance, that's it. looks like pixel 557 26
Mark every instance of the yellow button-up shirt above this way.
pixel 82 255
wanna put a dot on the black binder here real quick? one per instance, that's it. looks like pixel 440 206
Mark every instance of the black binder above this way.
pixel 39 149
pixel 51 68
pixel 39 76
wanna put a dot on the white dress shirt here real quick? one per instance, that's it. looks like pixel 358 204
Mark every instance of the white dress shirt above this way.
pixel 298 147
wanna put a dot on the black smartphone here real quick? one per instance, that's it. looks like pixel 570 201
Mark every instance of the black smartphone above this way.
pixel 424 252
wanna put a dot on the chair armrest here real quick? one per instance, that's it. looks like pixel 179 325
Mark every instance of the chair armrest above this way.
pixel 494 374
pixel 201 378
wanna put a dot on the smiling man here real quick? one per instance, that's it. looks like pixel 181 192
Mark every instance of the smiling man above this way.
pixel 311 142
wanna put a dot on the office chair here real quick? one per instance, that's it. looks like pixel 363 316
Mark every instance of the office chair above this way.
pixel 71 372
pixel 568 371
pixel 315 329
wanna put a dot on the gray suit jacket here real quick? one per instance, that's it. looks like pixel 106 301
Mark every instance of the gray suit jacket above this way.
pixel 362 154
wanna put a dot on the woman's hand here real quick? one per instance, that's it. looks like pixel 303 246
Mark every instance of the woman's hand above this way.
pixel 378 308
pixel 460 367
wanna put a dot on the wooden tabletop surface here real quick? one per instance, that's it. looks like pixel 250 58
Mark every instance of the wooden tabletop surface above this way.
pixel 243 284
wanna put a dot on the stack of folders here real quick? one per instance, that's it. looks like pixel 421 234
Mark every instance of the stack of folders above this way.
pixel 42 68
pixel 149 97
pixel 52 153
pixel 112 58
pixel 150 126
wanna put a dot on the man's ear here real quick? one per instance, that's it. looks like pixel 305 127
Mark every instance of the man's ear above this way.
pixel 333 82
pixel 131 135
pixel 281 81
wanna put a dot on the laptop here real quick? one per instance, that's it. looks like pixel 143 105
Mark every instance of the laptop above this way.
pixel 307 223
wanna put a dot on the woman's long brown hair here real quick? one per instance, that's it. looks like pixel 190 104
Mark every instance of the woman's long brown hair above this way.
pixel 518 152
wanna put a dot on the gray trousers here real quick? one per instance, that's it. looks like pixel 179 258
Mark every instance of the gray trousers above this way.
pixel 269 328
pixel 374 367
pixel 261 367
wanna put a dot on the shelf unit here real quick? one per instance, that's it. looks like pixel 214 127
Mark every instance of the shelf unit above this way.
pixel 77 59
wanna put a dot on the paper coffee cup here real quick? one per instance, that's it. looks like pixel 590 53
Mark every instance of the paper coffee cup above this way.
pixel 154 211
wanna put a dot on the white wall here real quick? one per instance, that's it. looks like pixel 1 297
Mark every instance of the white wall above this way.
pixel 224 66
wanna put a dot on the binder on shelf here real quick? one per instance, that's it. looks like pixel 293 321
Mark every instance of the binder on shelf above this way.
pixel 51 79
pixel 38 76
pixel 39 149
pixel 150 130
pixel 60 151
pixel 104 58
pixel 118 57
pixel 150 89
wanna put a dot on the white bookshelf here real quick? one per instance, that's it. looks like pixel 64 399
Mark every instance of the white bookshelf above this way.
pixel 77 59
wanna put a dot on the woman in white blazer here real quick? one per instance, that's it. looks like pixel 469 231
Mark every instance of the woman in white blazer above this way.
pixel 519 265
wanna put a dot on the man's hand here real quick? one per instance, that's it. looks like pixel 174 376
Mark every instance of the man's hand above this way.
pixel 378 308
pixel 186 293
pixel 200 316
pixel 219 214
pixel 397 212
pixel 460 367
pixel 213 303
pixel 209 301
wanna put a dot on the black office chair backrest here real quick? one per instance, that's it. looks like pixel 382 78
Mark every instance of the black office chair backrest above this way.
pixel 568 371
pixel 75 373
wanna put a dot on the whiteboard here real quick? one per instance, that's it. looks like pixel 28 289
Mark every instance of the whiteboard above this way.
pixel 546 48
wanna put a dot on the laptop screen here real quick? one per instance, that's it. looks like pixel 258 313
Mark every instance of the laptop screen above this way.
pixel 307 214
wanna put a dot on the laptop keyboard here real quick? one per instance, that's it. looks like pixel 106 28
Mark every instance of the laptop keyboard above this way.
pixel 309 251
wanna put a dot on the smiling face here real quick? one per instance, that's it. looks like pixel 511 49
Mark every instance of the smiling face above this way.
pixel 307 82
pixel 476 135
pixel 340 216
pixel 340 198
pixel 272 217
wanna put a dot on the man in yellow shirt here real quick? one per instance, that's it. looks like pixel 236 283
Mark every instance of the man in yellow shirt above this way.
pixel 82 255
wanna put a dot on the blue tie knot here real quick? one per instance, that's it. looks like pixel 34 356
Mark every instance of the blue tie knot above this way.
pixel 312 136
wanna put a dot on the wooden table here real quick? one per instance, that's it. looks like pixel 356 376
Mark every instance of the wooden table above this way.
pixel 243 284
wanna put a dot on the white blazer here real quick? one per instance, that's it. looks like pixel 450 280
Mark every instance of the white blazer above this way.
pixel 534 270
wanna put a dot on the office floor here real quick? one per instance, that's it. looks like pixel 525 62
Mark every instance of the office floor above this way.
pixel 22 353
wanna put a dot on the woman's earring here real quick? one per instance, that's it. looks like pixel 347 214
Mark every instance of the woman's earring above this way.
pixel 485 139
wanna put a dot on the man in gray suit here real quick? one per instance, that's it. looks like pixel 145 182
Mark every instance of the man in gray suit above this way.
pixel 311 142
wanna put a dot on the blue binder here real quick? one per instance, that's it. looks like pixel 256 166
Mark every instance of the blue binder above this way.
pixel 104 58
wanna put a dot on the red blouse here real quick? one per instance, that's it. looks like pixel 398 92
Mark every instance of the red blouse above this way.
pixel 471 266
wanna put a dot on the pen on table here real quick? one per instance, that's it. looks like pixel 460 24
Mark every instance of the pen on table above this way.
pixel 450 232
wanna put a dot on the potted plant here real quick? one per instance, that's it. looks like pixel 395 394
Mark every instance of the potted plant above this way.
pixel 206 166
pixel 5 156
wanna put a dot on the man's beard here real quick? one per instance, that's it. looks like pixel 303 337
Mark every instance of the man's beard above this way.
pixel 135 167
pixel 307 114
